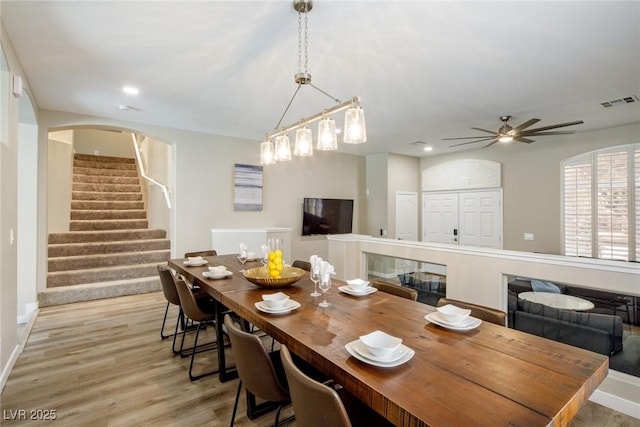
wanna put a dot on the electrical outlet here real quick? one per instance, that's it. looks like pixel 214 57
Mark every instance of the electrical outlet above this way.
pixel 528 236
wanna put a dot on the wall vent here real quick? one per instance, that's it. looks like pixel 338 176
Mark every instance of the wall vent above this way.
pixel 620 101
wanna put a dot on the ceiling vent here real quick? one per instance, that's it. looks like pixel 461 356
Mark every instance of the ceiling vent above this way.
pixel 420 144
pixel 620 101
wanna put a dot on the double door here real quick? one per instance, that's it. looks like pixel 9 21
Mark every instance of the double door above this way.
pixel 472 218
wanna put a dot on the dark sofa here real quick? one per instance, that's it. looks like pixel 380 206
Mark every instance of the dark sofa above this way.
pixel 601 333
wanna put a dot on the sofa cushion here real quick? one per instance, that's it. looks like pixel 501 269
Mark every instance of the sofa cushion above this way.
pixel 581 324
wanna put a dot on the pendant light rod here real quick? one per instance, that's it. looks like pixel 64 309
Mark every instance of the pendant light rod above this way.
pixel 336 108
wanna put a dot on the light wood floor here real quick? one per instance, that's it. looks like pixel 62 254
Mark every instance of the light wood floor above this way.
pixel 102 363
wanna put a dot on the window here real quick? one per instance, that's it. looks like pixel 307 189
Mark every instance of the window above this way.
pixel 601 204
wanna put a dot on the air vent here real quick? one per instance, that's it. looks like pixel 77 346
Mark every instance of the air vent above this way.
pixel 418 143
pixel 620 101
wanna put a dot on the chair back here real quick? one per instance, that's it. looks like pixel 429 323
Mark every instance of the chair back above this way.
pixel 487 314
pixel 305 265
pixel 314 404
pixel 189 304
pixel 210 252
pixel 168 285
pixel 399 290
pixel 254 365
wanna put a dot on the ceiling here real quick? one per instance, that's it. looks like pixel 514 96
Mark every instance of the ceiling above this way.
pixel 424 70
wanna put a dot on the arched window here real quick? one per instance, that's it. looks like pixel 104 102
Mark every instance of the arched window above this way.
pixel 601 204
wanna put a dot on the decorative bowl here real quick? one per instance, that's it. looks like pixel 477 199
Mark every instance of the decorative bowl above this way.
pixel 381 344
pixel 453 314
pixel 260 276
pixel 275 301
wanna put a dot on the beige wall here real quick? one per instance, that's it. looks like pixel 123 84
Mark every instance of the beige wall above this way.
pixel 403 175
pixel 531 176
pixel 103 143
pixel 377 167
pixel 59 178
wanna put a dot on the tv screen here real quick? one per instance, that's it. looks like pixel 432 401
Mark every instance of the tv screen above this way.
pixel 326 216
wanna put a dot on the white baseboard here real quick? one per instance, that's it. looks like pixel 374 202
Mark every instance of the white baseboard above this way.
pixel 620 392
pixel 6 370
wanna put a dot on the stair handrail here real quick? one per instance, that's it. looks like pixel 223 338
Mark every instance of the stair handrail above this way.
pixel 165 191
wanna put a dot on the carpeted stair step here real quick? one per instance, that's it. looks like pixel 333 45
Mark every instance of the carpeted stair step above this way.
pixel 100 179
pixel 105 172
pixel 106 236
pixel 92 248
pixel 108 188
pixel 93 275
pixel 85 262
pixel 106 159
pixel 98 290
pixel 105 205
pixel 120 224
pixel 108 214
pixel 104 196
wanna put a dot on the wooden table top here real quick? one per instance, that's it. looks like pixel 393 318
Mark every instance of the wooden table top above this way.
pixel 490 375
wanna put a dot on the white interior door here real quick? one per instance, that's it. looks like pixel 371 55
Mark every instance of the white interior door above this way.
pixel 480 219
pixel 440 218
pixel 407 216
pixel 463 218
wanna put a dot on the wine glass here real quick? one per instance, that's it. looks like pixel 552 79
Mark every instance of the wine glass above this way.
pixel 324 285
pixel 315 278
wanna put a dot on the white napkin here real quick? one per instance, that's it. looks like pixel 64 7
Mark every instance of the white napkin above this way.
pixel 243 250
pixel 315 261
pixel 326 270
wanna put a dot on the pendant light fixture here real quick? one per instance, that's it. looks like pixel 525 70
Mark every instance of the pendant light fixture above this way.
pixel 354 133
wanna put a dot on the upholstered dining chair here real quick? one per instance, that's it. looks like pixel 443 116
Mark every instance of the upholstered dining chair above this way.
pixel 305 265
pixel 392 288
pixel 314 404
pixel 209 252
pixel 487 314
pixel 256 370
pixel 201 311
pixel 171 295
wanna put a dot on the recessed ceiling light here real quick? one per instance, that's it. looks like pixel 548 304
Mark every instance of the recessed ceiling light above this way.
pixel 428 148
pixel 131 90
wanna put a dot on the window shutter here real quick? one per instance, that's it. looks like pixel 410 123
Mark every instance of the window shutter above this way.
pixel 577 207
pixel 612 205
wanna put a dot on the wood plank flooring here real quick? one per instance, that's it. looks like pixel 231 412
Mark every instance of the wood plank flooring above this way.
pixel 102 363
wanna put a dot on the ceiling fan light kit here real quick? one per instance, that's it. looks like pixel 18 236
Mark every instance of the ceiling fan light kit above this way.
pixel 355 131
pixel 507 133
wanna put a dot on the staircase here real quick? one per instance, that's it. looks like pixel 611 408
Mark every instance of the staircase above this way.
pixel 109 250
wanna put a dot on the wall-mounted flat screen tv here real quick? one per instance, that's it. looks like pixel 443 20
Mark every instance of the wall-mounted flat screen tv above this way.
pixel 326 216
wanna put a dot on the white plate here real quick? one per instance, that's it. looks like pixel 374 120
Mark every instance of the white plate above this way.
pixel 407 355
pixel 196 263
pixel 361 348
pixel 289 306
pixel 211 275
pixel 469 324
pixel 347 290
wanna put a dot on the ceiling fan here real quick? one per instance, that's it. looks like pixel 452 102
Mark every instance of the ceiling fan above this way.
pixel 507 133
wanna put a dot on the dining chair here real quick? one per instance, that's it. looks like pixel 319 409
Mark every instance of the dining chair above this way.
pixel 305 265
pixel 209 252
pixel 201 311
pixel 392 288
pixel 314 404
pixel 487 314
pixel 171 295
pixel 257 371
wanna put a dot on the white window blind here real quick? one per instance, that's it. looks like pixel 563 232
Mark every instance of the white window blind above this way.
pixel 601 204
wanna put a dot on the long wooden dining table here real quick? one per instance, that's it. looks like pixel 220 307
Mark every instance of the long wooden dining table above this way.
pixel 487 376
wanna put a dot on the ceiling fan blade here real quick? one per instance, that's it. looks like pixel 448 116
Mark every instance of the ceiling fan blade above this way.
pixel 491 143
pixel 525 125
pixel 471 142
pixel 465 137
pixel 560 125
pixel 560 132
pixel 492 132
pixel 521 139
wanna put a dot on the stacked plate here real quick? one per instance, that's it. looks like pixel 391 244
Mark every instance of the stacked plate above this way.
pixel 380 349
pixel 195 261
pixel 357 287
pixel 288 306
pixel 451 317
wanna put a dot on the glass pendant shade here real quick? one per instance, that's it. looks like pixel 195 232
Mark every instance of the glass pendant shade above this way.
pixel 355 130
pixel 304 142
pixel 327 138
pixel 283 148
pixel 267 154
